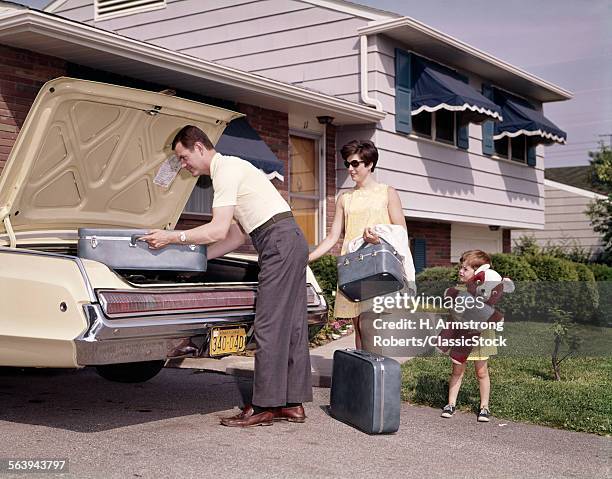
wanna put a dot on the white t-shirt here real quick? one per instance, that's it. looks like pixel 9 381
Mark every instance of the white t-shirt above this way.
pixel 236 182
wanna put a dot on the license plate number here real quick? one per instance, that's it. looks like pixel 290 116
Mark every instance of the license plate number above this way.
pixel 227 341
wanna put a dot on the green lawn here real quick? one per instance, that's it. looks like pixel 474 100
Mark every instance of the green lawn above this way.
pixel 523 386
pixel 536 339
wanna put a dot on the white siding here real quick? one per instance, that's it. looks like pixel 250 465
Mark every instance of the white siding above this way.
pixel 318 48
pixel 466 237
pixel 79 10
pixel 566 222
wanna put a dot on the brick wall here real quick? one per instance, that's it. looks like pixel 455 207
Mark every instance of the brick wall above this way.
pixel 273 128
pixel 506 241
pixel 22 73
pixel 438 240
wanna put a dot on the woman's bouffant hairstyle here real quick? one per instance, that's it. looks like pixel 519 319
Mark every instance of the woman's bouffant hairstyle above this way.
pixel 475 258
pixel 365 149
pixel 188 135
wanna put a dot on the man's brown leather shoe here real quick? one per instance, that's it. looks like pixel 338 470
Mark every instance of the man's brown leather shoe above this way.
pixel 245 412
pixel 248 418
pixel 291 414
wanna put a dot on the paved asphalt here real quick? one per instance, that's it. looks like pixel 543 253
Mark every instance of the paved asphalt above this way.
pixel 168 427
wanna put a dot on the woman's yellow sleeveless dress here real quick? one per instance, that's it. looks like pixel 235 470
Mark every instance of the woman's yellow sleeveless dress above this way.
pixel 362 209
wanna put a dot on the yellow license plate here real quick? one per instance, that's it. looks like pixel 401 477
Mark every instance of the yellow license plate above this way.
pixel 227 341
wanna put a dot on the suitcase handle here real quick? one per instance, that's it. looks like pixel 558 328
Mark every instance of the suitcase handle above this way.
pixel 346 261
pixel 134 239
pixel 365 354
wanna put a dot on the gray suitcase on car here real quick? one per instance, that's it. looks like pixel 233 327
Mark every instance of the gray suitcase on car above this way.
pixel 365 391
pixel 120 249
pixel 372 270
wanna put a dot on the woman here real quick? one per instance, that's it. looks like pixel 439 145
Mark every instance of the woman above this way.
pixel 367 204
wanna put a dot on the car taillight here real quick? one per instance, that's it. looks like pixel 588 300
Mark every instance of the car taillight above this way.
pixel 150 302
pixel 312 295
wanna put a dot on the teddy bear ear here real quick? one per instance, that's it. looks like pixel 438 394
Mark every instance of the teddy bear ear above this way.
pixel 484 267
pixel 508 285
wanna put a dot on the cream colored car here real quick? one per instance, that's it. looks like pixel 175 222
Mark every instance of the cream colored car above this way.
pixel 87 156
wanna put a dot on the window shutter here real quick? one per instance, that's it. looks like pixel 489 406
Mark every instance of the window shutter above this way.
pixel 419 254
pixel 463 131
pixel 403 92
pixel 488 147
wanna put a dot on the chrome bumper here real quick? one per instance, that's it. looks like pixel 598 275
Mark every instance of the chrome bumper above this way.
pixel 125 340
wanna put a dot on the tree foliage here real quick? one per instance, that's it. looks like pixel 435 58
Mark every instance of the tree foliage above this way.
pixel 600 210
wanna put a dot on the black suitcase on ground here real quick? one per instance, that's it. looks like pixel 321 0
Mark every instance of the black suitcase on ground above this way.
pixel 119 249
pixel 365 391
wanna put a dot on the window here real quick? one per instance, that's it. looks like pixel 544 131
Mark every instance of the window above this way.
pixel 200 201
pixel 501 147
pixel 514 148
pixel 305 193
pixel 445 126
pixel 114 8
pixel 421 124
pixel 517 148
pixel 439 125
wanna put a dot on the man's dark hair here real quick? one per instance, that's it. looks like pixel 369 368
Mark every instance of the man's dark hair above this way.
pixel 365 149
pixel 188 135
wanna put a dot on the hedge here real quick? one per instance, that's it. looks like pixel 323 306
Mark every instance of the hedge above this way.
pixel 326 272
pixel 542 282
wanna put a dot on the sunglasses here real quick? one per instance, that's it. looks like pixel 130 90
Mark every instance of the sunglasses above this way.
pixel 354 163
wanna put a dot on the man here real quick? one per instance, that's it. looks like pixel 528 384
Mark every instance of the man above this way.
pixel 282 378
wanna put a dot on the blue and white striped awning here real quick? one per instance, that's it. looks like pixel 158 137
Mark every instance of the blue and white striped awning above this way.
pixel 241 140
pixel 436 87
pixel 521 118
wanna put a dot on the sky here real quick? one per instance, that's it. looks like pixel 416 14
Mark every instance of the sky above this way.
pixel 565 42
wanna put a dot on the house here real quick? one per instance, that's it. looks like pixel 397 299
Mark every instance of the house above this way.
pixel 460 132
pixel 567 195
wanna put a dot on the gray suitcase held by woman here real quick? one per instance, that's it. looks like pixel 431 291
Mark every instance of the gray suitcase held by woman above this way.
pixel 365 391
pixel 120 249
pixel 372 270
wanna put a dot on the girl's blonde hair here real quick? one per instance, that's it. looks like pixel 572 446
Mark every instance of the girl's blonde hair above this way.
pixel 475 258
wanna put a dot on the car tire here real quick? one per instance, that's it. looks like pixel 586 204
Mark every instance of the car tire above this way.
pixel 130 372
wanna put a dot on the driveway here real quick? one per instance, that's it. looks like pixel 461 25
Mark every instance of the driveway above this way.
pixel 168 427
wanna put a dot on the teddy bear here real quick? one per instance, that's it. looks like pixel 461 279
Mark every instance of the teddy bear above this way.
pixel 485 288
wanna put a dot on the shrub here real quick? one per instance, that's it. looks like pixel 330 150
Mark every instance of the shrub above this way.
pixel 603 277
pixel 526 245
pixel 326 272
pixel 433 281
pixel 514 267
pixel 601 272
pixel 518 305
pixel 586 295
pixel 549 268
pixel 565 285
pixel 439 273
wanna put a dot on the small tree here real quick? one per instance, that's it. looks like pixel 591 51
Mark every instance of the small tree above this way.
pixel 526 245
pixel 564 332
pixel 600 210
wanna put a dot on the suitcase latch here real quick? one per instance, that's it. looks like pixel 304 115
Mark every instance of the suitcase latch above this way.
pixel 192 247
pixel 346 262
pixel 360 257
pixel 94 241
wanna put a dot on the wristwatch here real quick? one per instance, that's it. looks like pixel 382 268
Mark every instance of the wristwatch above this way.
pixel 182 237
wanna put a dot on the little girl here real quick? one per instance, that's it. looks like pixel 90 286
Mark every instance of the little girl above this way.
pixel 470 261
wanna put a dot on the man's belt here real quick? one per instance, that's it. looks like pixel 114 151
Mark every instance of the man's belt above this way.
pixel 275 219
